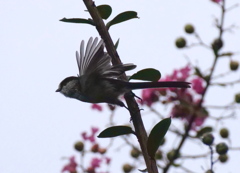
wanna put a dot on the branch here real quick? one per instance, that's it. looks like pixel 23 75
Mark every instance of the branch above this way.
pixel 132 105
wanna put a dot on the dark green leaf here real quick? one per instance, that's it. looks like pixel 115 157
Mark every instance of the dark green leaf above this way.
pixel 198 72
pixel 115 131
pixel 156 136
pixel 204 130
pixel 127 15
pixel 78 20
pixel 148 74
pixel 143 170
pixel 104 10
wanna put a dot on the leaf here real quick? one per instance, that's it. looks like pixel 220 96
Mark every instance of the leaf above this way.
pixel 156 136
pixel 78 20
pixel 148 74
pixel 198 72
pixel 143 170
pixel 127 15
pixel 115 131
pixel 104 10
pixel 204 130
pixel 116 44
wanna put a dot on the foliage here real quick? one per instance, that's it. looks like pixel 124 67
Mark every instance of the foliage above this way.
pixel 186 105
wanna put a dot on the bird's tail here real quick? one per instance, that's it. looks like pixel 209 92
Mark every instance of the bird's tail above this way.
pixel 163 84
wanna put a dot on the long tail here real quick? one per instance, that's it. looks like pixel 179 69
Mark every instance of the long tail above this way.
pixel 170 84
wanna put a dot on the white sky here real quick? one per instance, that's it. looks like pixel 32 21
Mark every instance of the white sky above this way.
pixel 38 126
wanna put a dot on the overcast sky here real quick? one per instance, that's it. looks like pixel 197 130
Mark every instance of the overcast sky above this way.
pixel 38 126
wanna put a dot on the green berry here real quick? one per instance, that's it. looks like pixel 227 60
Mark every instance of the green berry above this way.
pixel 180 42
pixel 79 146
pixel 222 148
pixel 171 154
pixel 234 65
pixel 127 168
pixel 223 158
pixel 224 133
pixel 208 139
pixel 158 155
pixel 135 153
pixel 189 29
pixel 209 171
pixel 217 45
pixel 237 98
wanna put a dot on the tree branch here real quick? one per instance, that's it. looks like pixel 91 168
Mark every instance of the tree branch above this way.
pixel 132 105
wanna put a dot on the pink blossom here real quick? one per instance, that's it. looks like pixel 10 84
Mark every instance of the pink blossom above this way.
pixel 71 166
pixel 179 75
pixel 149 96
pixel 108 160
pixel 197 85
pixel 216 1
pixel 91 137
pixel 97 107
pixel 95 163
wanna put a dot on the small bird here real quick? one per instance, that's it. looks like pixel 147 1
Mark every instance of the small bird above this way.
pixel 98 80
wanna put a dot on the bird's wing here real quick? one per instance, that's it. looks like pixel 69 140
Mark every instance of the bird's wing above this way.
pixel 96 61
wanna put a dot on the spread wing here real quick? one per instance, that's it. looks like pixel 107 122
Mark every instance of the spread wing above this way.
pixel 95 60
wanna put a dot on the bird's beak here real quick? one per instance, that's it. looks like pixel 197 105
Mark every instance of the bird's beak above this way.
pixel 58 90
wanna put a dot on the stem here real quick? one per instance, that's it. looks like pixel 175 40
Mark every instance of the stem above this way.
pixel 132 105
pixel 186 134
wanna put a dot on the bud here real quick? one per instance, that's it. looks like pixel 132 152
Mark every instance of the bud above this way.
pixel 222 148
pixel 90 170
pixel 189 29
pixel 158 155
pixel 223 158
pixel 237 98
pixel 234 65
pixel 171 154
pixel 79 146
pixel 224 133
pixel 217 45
pixel 95 148
pixel 135 153
pixel 180 42
pixel 208 139
pixel 209 171
pixel 102 150
pixel 127 168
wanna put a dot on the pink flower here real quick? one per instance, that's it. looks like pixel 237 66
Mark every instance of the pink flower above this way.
pixel 216 1
pixel 108 160
pixel 149 96
pixel 95 163
pixel 97 107
pixel 91 137
pixel 179 75
pixel 71 166
pixel 197 85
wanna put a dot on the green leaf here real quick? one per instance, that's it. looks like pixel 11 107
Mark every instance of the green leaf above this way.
pixel 127 15
pixel 143 170
pixel 148 74
pixel 116 44
pixel 204 130
pixel 104 10
pixel 156 136
pixel 78 20
pixel 198 72
pixel 115 131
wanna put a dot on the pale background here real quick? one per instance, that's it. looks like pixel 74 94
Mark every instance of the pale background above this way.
pixel 38 126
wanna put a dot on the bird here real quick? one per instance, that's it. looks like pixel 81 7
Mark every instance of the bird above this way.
pixel 98 80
